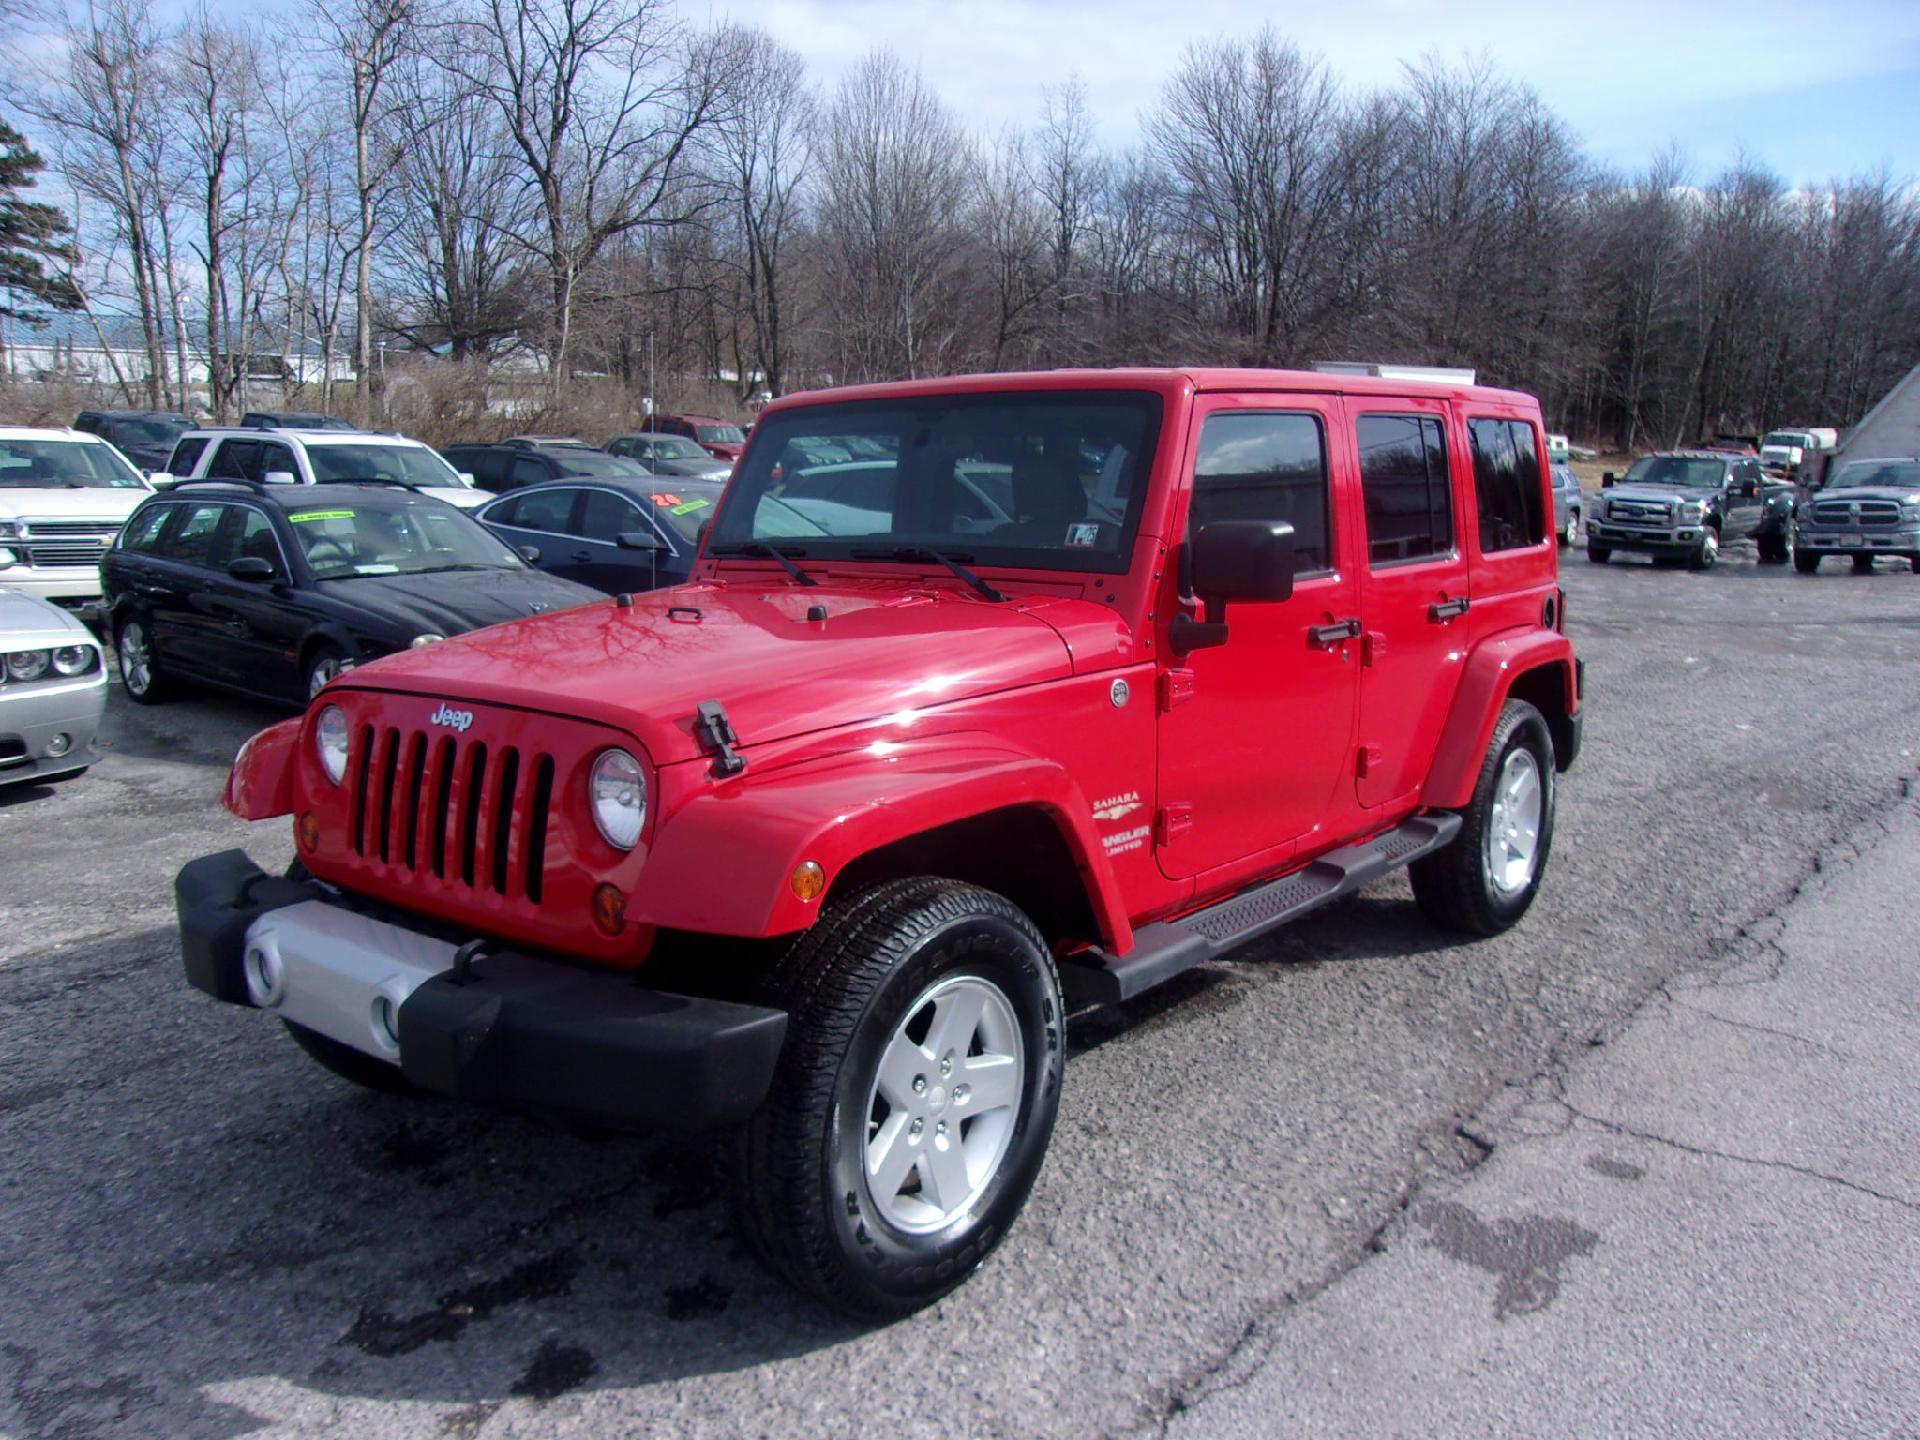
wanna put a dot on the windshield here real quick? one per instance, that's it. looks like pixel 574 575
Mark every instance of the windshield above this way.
pixel 672 447
pixel 1788 438
pixel 145 432
pixel 594 462
pixel 720 434
pixel 685 506
pixel 1899 474
pixel 407 464
pixel 1048 480
pixel 1691 472
pixel 415 537
pixel 65 465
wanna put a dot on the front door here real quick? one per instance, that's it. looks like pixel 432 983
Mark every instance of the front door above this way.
pixel 1414 595
pixel 1255 733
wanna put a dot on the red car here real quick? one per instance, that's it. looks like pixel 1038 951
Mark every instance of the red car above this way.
pixel 1067 683
pixel 720 438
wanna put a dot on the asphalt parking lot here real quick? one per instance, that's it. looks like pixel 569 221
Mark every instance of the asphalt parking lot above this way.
pixel 207 1235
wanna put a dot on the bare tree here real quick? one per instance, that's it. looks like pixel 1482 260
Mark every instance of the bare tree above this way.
pixel 601 99
pixel 1068 174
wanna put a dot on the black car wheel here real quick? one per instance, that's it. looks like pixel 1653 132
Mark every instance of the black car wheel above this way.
pixel 1707 553
pixel 139 670
pixel 1863 564
pixel 1806 561
pixel 325 663
pixel 1598 554
pixel 1776 547
pixel 914 1099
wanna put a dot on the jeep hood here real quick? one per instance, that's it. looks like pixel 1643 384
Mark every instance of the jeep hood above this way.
pixel 645 667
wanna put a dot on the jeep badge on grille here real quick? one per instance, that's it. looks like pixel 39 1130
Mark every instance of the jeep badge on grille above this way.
pixel 454 719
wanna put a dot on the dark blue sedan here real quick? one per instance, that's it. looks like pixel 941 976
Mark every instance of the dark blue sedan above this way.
pixel 613 533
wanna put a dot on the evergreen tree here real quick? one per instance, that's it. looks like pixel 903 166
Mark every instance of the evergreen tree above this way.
pixel 31 236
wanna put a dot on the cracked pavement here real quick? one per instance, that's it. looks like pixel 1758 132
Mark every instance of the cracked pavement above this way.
pixel 1585 1177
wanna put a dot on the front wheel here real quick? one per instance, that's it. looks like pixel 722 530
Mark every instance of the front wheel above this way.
pixel 913 1101
pixel 325 664
pixel 1484 881
pixel 1598 554
pixel 1776 548
pixel 139 671
pixel 1806 561
pixel 1707 553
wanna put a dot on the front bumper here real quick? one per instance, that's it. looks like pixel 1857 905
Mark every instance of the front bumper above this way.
pixel 1674 540
pixel 1839 540
pixel 71 587
pixel 32 718
pixel 515 1031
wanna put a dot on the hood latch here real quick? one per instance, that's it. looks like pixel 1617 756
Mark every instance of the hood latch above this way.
pixel 715 733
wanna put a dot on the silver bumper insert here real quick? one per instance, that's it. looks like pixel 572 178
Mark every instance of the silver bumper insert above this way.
pixel 339 973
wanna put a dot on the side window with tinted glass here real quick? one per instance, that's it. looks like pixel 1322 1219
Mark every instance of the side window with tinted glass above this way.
pixel 276 458
pixel 143 531
pixel 546 510
pixel 232 461
pixel 606 516
pixel 256 540
pixel 528 471
pixel 1257 466
pixel 1403 478
pixel 191 542
pixel 185 455
pixel 1506 483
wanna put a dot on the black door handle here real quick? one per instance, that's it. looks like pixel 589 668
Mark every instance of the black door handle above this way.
pixel 1333 634
pixel 1447 609
pixel 581 557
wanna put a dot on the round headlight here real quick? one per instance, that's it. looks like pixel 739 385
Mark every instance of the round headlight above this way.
pixel 73 659
pixel 618 790
pixel 330 739
pixel 26 664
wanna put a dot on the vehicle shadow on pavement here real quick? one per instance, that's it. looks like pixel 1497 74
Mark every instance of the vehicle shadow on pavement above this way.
pixel 198 725
pixel 26 792
pixel 208 1211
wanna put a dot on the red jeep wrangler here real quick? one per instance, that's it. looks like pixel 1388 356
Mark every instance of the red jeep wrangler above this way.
pixel 1069 682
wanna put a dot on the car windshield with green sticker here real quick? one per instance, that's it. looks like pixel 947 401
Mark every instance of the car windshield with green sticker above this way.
pixel 685 505
pixel 1049 480
pixel 401 536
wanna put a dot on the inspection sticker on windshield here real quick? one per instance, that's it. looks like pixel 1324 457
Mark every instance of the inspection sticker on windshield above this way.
pixel 307 515
pixel 1084 534
pixel 666 497
pixel 687 507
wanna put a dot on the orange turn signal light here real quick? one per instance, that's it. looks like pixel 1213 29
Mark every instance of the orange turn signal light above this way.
pixel 609 909
pixel 307 832
pixel 808 880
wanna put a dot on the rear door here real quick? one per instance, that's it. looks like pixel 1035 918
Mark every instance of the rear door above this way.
pixel 1255 733
pixel 175 590
pixel 1414 591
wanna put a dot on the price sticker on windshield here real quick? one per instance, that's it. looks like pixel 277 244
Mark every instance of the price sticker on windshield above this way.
pixel 687 507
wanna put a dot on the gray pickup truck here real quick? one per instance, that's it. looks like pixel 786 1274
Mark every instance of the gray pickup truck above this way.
pixel 1687 504
pixel 1867 509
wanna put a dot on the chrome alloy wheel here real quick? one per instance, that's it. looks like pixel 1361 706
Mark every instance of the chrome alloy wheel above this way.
pixel 943 1104
pixel 325 670
pixel 1513 827
pixel 136 660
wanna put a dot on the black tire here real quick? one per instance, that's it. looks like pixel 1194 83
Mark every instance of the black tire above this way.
pixel 140 674
pixel 1806 561
pixel 1914 562
pixel 1453 886
pixel 1598 554
pixel 1863 564
pixel 1776 547
pixel 850 985
pixel 349 1063
pixel 1707 553
pixel 324 661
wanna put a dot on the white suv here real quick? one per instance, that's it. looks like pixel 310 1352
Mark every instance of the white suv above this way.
pixel 63 497
pixel 318 457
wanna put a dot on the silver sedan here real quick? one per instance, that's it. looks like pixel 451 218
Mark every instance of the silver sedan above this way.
pixel 53 688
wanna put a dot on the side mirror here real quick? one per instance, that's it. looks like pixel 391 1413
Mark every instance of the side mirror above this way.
pixel 466 478
pixel 1606 479
pixel 251 568
pixel 637 540
pixel 529 553
pixel 280 477
pixel 160 479
pixel 1247 560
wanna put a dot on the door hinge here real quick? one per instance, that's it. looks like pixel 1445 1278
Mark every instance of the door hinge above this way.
pixel 1373 646
pixel 1176 688
pixel 1172 822
pixel 1370 762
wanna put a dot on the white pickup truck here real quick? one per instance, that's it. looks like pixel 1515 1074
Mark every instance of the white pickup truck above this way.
pixel 1787 450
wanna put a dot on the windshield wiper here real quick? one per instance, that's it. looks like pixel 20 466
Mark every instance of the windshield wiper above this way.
pixel 927 552
pixel 762 547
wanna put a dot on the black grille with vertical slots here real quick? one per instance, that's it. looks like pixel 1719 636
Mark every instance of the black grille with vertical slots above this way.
pixel 453 812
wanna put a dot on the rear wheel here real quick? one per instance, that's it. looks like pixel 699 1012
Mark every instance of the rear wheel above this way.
pixel 1598 554
pixel 1806 561
pixel 1776 548
pixel 1571 535
pixel 139 670
pixel 1485 880
pixel 913 1101
pixel 1863 564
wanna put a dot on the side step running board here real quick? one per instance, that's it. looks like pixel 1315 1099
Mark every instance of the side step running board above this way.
pixel 1162 950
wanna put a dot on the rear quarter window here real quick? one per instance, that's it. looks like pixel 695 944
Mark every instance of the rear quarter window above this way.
pixel 1506 483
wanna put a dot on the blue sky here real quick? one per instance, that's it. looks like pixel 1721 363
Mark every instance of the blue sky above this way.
pixel 1812 90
